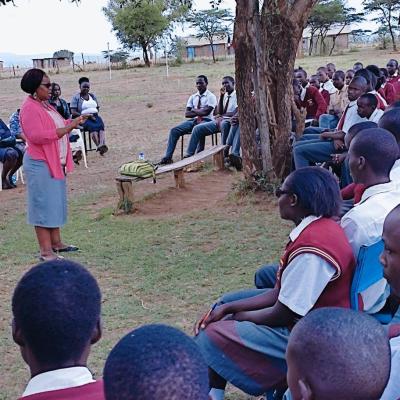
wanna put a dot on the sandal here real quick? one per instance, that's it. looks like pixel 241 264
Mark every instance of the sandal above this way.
pixel 50 258
pixel 66 249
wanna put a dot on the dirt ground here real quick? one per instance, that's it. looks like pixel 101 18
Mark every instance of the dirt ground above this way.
pixel 138 108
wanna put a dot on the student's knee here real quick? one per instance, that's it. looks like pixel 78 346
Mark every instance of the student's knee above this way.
pixel 11 155
pixel 265 277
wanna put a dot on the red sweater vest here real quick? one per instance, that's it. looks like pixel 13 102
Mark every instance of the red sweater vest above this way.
pixel 314 103
pixel 91 391
pixel 325 238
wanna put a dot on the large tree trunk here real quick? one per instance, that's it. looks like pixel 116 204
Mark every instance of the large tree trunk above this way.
pixel 145 55
pixel 266 42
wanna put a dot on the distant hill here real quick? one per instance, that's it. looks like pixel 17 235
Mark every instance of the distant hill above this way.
pixel 25 60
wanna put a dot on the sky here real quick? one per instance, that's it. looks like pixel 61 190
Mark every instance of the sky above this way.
pixel 45 26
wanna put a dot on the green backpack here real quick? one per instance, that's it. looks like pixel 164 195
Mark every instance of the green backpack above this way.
pixel 139 169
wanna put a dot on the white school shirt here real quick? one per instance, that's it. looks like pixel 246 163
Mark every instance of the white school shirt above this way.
pixel 328 85
pixel 363 226
pixel 395 173
pixel 305 277
pixel 351 117
pixel 376 115
pixel 58 379
pixel 392 391
pixel 232 105
pixel 207 99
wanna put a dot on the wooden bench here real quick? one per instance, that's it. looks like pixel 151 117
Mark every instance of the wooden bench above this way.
pixel 125 183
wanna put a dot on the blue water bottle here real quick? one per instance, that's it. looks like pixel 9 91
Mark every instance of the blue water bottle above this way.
pixel 141 156
pixel 14 179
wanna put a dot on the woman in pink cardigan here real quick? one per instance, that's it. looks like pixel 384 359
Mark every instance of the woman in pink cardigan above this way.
pixel 46 162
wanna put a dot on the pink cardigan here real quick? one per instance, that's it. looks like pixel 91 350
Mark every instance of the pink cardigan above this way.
pixel 40 131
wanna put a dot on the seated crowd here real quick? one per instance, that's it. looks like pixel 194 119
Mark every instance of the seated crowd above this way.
pixel 13 140
pixel 308 330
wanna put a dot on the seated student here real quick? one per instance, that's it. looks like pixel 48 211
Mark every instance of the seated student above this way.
pixel 349 76
pixel 330 70
pixel 316 146
pixel 358 65
pixel 390 121
pixel 11 153
pixel 337 104
pixel 226 108
pixel 335 354
pixel 314 81
pixel 309 97
pixel 393 68
pixel 248 348
pixel 63 109
pixel 372 154
pixel 390 259
pixel 233 141
pixel 155 362
pixel 387 89
pixel 86 102
pixel 371 79
pixel 367 107
pixel 199 109
pixel 324 80
pixel 56 319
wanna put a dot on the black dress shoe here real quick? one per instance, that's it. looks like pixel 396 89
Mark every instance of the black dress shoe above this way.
pixel 165 161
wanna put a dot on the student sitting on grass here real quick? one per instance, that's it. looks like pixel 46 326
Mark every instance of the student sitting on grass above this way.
pixel 335 354
pixel 155 362
pixel 367 107
pixel 349 76
pixel 390 259
pixel 56 319
pixel 244 341
pixel 387 89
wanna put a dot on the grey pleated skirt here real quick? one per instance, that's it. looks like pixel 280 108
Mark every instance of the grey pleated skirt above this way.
pixel 46 196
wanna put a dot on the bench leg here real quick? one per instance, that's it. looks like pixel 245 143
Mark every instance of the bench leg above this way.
pixel 125 192
pixel 179 178
pixel 182 147
pixel 218 160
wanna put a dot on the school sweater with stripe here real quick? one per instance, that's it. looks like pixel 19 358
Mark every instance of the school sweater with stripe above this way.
pixel 325 238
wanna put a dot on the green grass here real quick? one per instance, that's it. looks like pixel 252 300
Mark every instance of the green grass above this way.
pixel 150 270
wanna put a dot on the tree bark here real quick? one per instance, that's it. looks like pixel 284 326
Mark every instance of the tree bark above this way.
pixel 145 55
pixel 266 42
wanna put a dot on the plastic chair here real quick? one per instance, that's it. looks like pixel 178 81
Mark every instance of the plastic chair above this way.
pixel 20 175
pixel 79 145
pixel 1 171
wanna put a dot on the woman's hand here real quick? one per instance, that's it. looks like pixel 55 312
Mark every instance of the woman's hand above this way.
pixel 213 315
pixel 78 121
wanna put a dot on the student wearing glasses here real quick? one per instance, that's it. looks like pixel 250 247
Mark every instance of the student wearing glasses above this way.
pixel 46 162
pixel 244 341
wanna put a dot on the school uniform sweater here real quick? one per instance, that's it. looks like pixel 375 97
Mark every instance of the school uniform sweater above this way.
pixel 325 238
pixel 314 103
pixel 90 391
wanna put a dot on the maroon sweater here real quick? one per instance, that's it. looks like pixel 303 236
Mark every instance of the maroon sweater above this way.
pixel 314 103
pixel 326 239
pixel 91 391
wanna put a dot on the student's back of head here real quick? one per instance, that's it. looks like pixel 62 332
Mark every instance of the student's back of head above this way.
pixel 155 362
pixel 372 152
pixel 336 353
pixel 56 310
pixel 390 121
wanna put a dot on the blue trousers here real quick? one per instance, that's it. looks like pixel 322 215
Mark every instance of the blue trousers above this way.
pixel 328 121
pixel 199 133
pixel 310 151
pixel 184 128
pixel 233 140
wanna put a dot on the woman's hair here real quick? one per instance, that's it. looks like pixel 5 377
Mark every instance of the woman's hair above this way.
pixel 53 87
pixel 32 80
pixel 83 79
pixel 317 191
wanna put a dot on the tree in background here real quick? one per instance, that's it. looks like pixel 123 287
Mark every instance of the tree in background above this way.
pixel 386 18
pixel 328 14
pixel 139 23
pixel 116 56
pixel 266 38
pixel 5 2
pixel 211 24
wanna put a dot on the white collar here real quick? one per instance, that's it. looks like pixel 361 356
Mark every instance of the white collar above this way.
pixel 232 94
pixel 201 95
pixel 58 379
pixel 303 92
pixel 301 226
pixel 377 189
pixel 374 114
